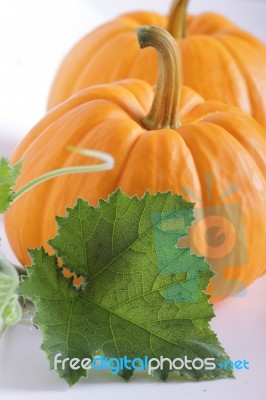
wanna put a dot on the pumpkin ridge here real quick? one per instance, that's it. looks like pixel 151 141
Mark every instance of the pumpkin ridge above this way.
pixel 143 86
pixel 61 110
pixel 196 22
pixel 75 101
pixel 101 37
pixel 70 114
pixel 248 156
pixel 120 175
pixel 196 171
pixel 252 89
pixel 83 143
pixel 237 90
pixel 253 157
pixel 105 48
pixel 260 267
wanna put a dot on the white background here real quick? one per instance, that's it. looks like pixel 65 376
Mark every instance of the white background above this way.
pixel 34 36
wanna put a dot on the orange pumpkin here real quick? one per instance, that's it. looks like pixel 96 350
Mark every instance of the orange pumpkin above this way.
pixel 169 148
pixel 220 61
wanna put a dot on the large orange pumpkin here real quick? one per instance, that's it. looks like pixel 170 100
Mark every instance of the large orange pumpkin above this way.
pixel 220 61
pixel 169 148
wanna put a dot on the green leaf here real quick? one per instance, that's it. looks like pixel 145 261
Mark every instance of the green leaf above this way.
pixel 8 177
pixel 143 295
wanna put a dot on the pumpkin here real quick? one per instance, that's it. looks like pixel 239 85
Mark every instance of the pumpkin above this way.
pixel 220 61
pixel 162 141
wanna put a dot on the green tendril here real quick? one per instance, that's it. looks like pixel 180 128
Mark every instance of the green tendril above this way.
pixel 107 165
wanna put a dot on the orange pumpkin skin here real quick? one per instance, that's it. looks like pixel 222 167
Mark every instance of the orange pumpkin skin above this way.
pixel 220 61
pixel 213 137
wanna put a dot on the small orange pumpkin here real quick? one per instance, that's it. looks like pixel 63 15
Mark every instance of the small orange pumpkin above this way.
pixel 169 148
pixel 220 61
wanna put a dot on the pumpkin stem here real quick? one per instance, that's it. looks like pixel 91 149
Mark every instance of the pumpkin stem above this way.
pixel 108 164
pixel 164 110
pixel 177 19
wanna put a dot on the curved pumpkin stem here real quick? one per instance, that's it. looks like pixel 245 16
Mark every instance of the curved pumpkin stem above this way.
pixel 177 22
pixel 164 110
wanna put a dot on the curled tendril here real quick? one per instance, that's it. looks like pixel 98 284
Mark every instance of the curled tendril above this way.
pixel 10 309
pixel 12 314
pixel 108 163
